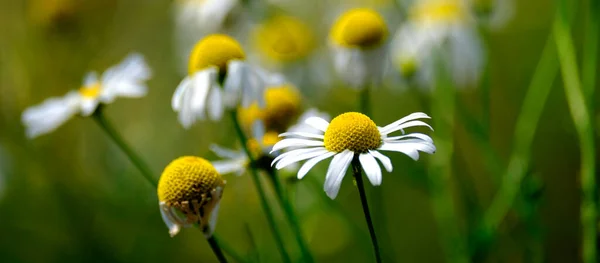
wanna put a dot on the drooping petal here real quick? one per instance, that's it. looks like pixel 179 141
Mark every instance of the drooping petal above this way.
pixel 302 134
pixel 336 171
pixel 177 100
pixel 420 136
pixel 215 101
pixel 169 219
pixel 224 152
pixel 371 168
pixel 294 152
pixel 50 114
pixel 407 125
pixel 311 163
pixel 300 157
pixel 236 165
pixel 293 142
pixel 385 161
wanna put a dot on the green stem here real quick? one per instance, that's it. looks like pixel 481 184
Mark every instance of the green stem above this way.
pixel 357 172
pixel 533 106
pixel 440 172
pixel 290 215
pixel 585 132
pixel 116 137
pixel 214 245
pixel 259 188
pixel 365 101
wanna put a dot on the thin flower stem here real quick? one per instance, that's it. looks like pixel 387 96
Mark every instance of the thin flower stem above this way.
pixel 365 101
pixel 116 137
pixel 259 188
pixel 581 118
pixel 214 245
pixel 357 172
pixel 138 162
pixel 290 215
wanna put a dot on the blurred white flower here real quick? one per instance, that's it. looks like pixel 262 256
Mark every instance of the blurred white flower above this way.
pixel 439 30
pixel 219 79
pixel 351 136
pixel 123 80
pixel 494 14
pixel 359 42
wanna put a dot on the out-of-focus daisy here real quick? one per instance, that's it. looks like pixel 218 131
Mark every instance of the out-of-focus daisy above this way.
pixel 283 104
pixel 351 136
pixel 358 39
pixel 493 13
pixel 123 80
pixel 219 78
pixel 189 193
pixel 439 27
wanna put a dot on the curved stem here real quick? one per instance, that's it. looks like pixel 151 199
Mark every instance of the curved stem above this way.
pixel 116 137
pixel 214 245
pixel 290 215
pixel 259 188
pixel 357 172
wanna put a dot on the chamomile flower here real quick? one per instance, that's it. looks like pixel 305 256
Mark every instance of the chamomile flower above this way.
pixel 219 78
pixel 494 14
pixel 439 27
pixel 283 104
pixel 123 80
pixel 203 15
pixel 189 193
pixel 260 145
pixel 359 39
pixel 348 136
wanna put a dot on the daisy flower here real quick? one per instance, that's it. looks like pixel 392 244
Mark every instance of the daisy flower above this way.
pixel 123 80
pixel 358 39
pixel 219 78
pixel 439 27
pixel 283 104
pixel 351 136
pixel 189 193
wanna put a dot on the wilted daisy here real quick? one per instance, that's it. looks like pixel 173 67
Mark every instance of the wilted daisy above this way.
pixel 189 192
pixel 219 78
pixel 123 80
pixel 444 28
pixel 358 39
pixel 348 136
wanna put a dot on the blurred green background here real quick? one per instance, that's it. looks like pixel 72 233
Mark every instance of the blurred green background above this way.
pixel 73 196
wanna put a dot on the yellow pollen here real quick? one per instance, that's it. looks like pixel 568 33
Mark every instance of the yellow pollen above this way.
pixel 283 106
pixel 352 131
pixel 91 91
pixel 284 38
pixel 438 11
pixel 215 51
pixel 188 179
pixel 361 27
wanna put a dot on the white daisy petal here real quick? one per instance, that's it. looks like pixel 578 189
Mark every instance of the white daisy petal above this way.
pixel 90 79
pixel 311 163
pixel 421 136
pixel 295 152
pixel 202 82
pixel 50 114
pixel 215 109
pixel 371 168
pixel 302 134
pixel 169 219
pixel 177 100
pixel 292 142
pixel 407 125
pixel 236 165
pixel 336 171
pixel 410 117
pixel 224 152
pixel 88 106
pixel 317 123
pixel 299 157
pixel 387 164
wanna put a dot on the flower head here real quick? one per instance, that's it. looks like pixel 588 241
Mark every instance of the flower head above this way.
pixel 123 80
pixel 348 136
pixel 219 78
pixel 189 192
pixel 284 38
pixel 282 107
pixel 358 39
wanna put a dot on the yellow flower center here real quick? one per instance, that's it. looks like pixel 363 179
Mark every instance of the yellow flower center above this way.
pixel 269 139
pixel 215 51
pixel 283 106
pixel 284 38
pixel 352 131
pixel 438 11
pixel 188 179
pixel 91 91
pixel 361 27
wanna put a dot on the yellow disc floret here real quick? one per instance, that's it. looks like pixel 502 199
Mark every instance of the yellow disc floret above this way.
pixel 187 179
pixel 91 91
pixel 361 28
pixel 283 106
pixel 284 38
pixel 352 131
pixel 215 51
pixel 440 11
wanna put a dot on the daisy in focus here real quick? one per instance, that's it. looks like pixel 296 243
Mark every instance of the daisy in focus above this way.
pixel 123 80
pixel 348 136
pixel 359 39
pixel 444 28
pixel 189 193
pixel 219 78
